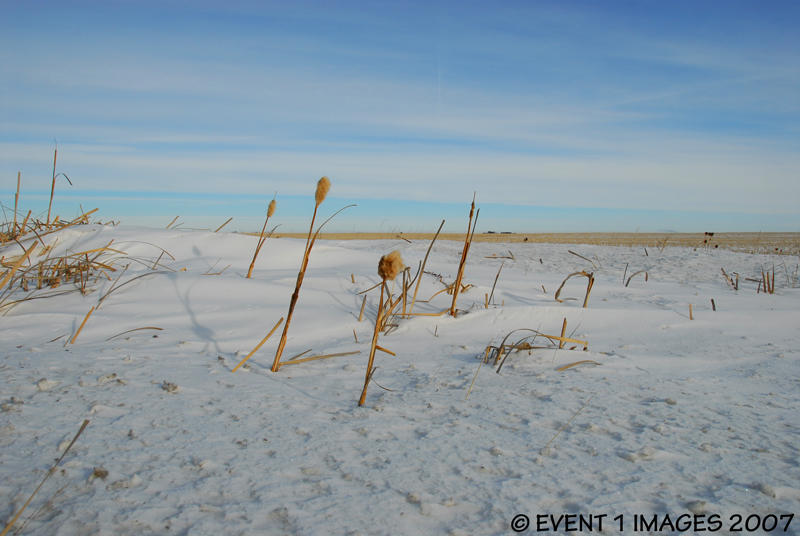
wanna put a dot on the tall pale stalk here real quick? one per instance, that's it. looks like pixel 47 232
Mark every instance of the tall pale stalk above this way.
pixel 462 264
pixel 261 238
pixel 323 186
pixel 388 267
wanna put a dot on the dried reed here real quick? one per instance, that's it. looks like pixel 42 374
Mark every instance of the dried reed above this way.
pixel 53 184
pixel 80 328
pixel 388 267
pixel 259 345
pixel 48 475
pixel 590 284
pixel 323 186
pixel 218 229
pixel 261 237
pixel 467 243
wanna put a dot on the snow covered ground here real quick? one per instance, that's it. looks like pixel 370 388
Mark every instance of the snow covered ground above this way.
pixel 681 416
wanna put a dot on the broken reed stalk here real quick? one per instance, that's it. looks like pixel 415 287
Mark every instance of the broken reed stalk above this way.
pixel 317 357
pixel 563 332
pixel 713 305
pixel 576 363
pixel 85 319
pixel 564 426
pixel 16 202
pixel 261 237
pixel 588 291
pixel 463 262
pixel 388 268
pixel 53 185
pixel 422 267
pixel 491 295
pixel 259 345
pixel 323 186
pixel 218 229
pixel 589 285
pixel 691 316
pixel 373 347
pixel 361 312
pixel 634 274
pixel 48 475
pixel 16 266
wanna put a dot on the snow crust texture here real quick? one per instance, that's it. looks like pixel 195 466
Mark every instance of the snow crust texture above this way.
pixel 680 415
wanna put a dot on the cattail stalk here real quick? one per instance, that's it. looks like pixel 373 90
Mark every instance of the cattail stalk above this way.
pixel 462 264
pixel 323 186
pixel 373 347
pixel 261 237
pixel 388 268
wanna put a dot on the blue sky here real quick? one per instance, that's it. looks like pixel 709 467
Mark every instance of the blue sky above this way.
pixel 573 116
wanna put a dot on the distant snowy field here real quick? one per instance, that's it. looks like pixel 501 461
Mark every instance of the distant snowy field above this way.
pixel 681 416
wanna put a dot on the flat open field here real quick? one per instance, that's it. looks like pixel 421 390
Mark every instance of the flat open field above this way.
pixel 787 243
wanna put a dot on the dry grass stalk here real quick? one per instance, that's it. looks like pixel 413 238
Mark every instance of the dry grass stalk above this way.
pixel 16 266
pixel 218 229
pixel 388 268
pixel 576 363
pixel 53 185
pixel 48 475
pixel 422 268
pixel 323 186
pixel 584 258
pixel 132 330
pixel 259 345
pixel 767 281
pixel 691 316
pixel 589 285
pixel 384 350
pixel 491 295
pixel 563 332
pixel 734 285
pixel 172 222
pixel 355 336
pixel 16 203
pixel 546 448
pixel 261 237
pixel 318 357
pixel 713 305
pixel 634 274
pixel 361 312
pixel 80 328
pixel 467 243
pixel 500 353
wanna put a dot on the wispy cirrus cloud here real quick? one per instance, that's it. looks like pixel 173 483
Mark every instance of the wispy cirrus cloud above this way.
pixel 550 104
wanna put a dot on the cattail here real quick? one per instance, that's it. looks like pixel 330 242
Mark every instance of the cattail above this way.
pixel 390 265
pixel 262 238
pixel 323 186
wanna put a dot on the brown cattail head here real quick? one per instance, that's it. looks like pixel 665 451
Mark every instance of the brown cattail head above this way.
pixel 390 265
pixel 271 209
pixel 323 186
